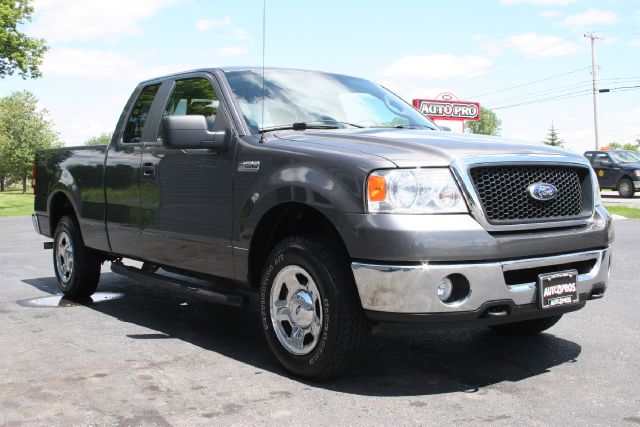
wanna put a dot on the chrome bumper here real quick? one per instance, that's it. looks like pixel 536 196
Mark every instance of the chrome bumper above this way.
pixel 413 288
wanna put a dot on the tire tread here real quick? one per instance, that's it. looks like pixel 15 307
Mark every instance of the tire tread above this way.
pixel 351 340
pixel 86 275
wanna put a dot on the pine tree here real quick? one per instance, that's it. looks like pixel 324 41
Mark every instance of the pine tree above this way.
pixel 553 138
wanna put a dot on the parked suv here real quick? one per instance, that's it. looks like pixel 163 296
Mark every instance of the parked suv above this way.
pixel 617 170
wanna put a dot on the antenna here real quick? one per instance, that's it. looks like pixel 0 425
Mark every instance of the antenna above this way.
pixel 264 31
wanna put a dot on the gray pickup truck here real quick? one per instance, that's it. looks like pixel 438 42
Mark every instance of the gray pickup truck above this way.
pixel 335 202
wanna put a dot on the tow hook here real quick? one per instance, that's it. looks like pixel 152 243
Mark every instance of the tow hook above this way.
pixel 498 312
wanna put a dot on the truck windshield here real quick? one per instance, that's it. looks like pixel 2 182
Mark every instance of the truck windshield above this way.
pixel 624 156
pixel 297 99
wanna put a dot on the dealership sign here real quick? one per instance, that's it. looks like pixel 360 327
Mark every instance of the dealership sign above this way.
pixel 446 107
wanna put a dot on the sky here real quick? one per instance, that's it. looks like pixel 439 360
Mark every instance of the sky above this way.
pixel 528 60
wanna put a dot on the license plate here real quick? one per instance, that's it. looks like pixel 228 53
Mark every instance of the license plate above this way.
pixel 558 289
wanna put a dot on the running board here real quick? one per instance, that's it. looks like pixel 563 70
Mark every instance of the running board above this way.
pixel 234 299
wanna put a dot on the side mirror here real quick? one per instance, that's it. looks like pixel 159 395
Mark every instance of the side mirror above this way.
pixel 190 132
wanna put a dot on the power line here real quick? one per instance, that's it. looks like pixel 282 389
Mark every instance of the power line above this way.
pixel 540 92
pixel 621 89
pixel 553 89
pixel 620 79
pixel 531 83
pixel 628 90
pixel 552 98
pixel 470 73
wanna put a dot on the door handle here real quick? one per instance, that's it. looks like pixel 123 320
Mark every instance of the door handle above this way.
pixel 148 170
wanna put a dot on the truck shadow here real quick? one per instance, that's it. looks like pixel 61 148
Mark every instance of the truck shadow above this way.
pixel 396 363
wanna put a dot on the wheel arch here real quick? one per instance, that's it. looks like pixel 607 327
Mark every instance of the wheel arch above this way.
pixel 282 221
pixel 60 205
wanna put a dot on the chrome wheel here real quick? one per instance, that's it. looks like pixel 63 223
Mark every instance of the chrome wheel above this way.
pixel 64 257
pixel 296 310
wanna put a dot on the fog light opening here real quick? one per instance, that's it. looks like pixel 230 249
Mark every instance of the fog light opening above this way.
pixel 453 288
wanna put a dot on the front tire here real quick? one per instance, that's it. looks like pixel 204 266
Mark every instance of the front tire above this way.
pixel 626 188
pixel 527 327
pixel 311 312
pixel 77 267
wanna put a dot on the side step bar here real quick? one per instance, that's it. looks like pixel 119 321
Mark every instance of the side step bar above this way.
pixel 234 299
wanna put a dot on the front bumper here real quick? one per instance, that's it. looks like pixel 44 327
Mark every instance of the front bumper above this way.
pixel 510 284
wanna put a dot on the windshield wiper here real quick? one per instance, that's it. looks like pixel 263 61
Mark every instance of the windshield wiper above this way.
pixel 411 127
pixel 401 127
pixel 316 124
pixel 337 122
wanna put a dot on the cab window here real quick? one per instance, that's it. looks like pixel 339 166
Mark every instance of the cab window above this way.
pixel 601 159
pixel 138 116
pixel 192 97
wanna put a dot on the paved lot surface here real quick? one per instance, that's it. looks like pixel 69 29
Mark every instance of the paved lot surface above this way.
pixel 612 198
pixel 143 356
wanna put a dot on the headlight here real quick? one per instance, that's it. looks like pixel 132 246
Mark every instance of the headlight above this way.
pixel 597 200
pixel 414 191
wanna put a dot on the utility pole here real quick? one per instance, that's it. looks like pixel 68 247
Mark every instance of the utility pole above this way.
pixel 593 37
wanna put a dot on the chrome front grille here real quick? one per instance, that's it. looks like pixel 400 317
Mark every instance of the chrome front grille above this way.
pixel 505 199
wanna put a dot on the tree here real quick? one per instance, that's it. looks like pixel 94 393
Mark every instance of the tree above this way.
pixel 103 139
pixel 628 146
pixel 489 123
pixel 553 138
pixel 17 50
pixel 26 129
pixel 4 164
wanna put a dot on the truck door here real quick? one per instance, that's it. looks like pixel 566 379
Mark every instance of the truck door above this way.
pixel 187 195
pixel 608 172
pixel 122 173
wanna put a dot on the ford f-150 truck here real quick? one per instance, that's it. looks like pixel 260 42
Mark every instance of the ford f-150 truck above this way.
pixel 332 199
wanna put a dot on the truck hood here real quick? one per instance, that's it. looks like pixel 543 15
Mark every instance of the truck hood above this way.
pixel 415 148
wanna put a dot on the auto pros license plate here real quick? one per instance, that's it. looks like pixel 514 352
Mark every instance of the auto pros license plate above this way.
pixel 558 289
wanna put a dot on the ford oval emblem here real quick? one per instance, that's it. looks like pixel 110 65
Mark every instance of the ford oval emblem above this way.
pixel 542 191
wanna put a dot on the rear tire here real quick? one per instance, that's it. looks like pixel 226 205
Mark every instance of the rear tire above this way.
pixel 77 267
pixel 626 188
pixel 527 327
pixel 311 312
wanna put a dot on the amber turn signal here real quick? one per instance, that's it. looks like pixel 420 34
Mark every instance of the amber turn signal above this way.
pixel 377 187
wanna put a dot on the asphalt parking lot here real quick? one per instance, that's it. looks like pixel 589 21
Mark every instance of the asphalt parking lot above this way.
pixel 612 198
pixel 145 356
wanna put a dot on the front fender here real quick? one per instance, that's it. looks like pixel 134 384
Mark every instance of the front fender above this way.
pixel 332 191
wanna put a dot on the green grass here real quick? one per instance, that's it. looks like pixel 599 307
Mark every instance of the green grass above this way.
pixel 14 203
pixel 626 211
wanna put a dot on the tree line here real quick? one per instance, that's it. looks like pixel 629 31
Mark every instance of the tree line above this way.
pixel 554 139
pixel 24 128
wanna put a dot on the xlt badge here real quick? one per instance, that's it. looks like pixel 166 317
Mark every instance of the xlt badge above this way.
pixel 249 166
